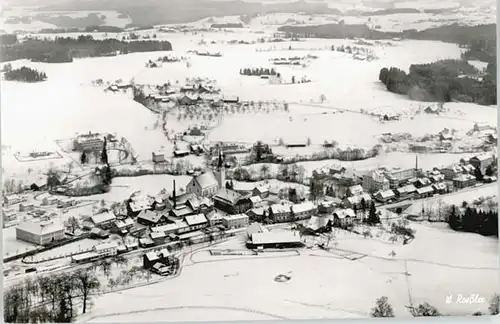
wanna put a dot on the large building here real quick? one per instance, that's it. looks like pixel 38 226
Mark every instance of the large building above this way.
pixel 375 181
pixel 482 161
pixel 235 221
pixel 275 239
pixel 89 142
pixel 41 233
pixel 398 176
pixel 210 182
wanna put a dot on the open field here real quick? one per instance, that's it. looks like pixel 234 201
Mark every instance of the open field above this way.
pixel 249 284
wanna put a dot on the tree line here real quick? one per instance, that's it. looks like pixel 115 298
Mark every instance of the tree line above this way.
pixel 64 49
pixel 473 220
pixel 50 298
pixel 23 74
pixel 258 71
pixel 443 81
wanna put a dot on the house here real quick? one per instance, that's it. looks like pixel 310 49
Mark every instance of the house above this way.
pixel 158 157
pixel 405 192
pixel 357 201
pixel 201 205
pixel 464 181
pixel 256 201
pixel 123 226
pixel 452 171
pixel 343 217
pixel 9 215
pixel 24 207
pixel 422 182
pixel 103 220
pixel 327 206
pixel 197 149
pixel 39 184
pixel 280 213
pixel 214 218
pixel 482 161
pixel 157 260
pixel 317 222
pixel 98 233
pixel 158 237
pixel 137 204
pixel 375 181
pixel 41 233
pixel 261 191
pixel 146 242
pixel 176 227
pixel 256 228
pixel 424 192
pixel 432 110
pixel 196 222
pixel 235 221
pixel 275 239
pixel 385 196
pixel 439 188
pixel 206 184
pixel 488 179
pixel 468 168
pixel 231 202
pixel 479 127
pixel 354 190
pixel 106 249
pixel 12 200
pixel 445 137
pixel 132 246
pixel 149 259
pixel 436 178
pixel 151 218
pixel 303 210
pixel 258 214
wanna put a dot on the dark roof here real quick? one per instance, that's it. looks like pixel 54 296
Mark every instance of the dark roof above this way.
pixel 228 196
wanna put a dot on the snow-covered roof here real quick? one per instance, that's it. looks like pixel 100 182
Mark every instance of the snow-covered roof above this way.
pixel 357 199
pixel 235 217
pixel 228 195
pixel 386 193
pixel 192 220
pixel 275 237
pixel 42 227
pixel 482 157
pixel 157 235
pixel 303 207
pixel 151 256
pixel 343 213
pixel 105 246
pixel 84 256
pixel 206 180
pixel 464 177
pixel 255 200
pixel 280 208
pixel 425 190
pixel 103 217
pixel 150 216
pixel 356 190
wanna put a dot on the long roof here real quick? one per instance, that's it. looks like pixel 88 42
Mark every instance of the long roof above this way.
pixel 103 217
pixel 192 220
pixel 150 216
pixel 228 195
pixel 275 237
pixel 303 207
pixel 42 227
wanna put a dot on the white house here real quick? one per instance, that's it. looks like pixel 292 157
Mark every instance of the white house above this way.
pixel 235 221
pixel 41 233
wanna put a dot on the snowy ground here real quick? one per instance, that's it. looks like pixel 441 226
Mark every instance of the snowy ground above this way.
pixel 79 246
pixel 248 285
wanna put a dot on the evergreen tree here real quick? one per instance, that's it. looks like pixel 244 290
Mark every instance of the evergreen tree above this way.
pixel 478 174
pixel 104 153
pixel 372 215
pixel 83 158
pixel 453 220
pixel 489 171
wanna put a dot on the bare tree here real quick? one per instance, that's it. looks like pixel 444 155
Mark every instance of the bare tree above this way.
pixel 86 283
pixel 494 306
pixel 72 223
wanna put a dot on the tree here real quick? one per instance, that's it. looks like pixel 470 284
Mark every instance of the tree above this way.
pixel 382 308
pixel 83 158
pixel 264 171
pixel 72 223
pixel 453 221
pixel 105 267
pixel 425 310
pixel 478 174
pixel 489 171
pixel 104 152
pixel 87 284
pixel 494 306
pixel 372 215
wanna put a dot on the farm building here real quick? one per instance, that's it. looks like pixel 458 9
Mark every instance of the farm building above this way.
pixel 235 221
pixel 275 239
pixel 41 233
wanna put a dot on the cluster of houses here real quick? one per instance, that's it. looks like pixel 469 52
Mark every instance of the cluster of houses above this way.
pixel 389 185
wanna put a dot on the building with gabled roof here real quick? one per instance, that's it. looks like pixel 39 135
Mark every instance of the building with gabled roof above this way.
pixel 231 202
pixel 356 201
pixel 203 185
pixel 196 222
pixel 235 221
pixel 385 195
pixel 303 210
pixel 103 219
pixel 151 218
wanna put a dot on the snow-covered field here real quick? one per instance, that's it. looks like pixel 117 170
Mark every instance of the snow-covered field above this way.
pixel 338 287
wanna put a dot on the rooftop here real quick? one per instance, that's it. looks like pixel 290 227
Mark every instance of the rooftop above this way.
pixel 275 237
pixel 235 217
pixel 206 180
pixel 193 220
pixel 42 227
pixel 103 217
pixel 228 195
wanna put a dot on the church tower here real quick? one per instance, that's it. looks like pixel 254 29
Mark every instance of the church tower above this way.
pixel 220 171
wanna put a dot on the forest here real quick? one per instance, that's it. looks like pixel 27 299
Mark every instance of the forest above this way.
pixel 473 220
pixel 443 81
pixel 23 74
pixel 64 49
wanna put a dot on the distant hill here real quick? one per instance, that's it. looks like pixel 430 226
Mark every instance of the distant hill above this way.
pixel 451 33
pixel 156 12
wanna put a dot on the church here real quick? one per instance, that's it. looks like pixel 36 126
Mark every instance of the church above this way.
pixel 210 182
